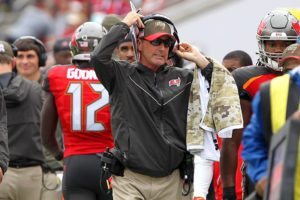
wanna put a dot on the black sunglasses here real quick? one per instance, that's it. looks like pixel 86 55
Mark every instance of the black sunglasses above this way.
pixel 167 43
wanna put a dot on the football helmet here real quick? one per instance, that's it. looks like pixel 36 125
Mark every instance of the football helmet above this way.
pixel 279 24
pixel 84 40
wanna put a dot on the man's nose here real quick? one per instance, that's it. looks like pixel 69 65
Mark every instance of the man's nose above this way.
pixel 130 52
pixel 279 48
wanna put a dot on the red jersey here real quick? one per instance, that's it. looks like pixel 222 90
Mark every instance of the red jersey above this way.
pixel 248 80
pixel 82 104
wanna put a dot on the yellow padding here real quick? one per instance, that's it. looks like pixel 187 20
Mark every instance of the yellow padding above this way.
pixel 295 12
pixel 279 90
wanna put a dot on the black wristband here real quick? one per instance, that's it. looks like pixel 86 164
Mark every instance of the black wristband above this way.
pixel 229 193
pixel 207 72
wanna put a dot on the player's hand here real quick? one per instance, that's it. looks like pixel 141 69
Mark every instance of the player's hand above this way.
pixel 133 18
pixel 260 186
pixel 191 53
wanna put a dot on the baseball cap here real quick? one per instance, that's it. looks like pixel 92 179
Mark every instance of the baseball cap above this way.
pixel 6 49
pixel 155 29
pixel 61 45
pixel 128 38
pixel 291 52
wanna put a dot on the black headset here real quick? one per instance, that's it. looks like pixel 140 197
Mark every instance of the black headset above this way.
pixel 14 49
pixel 42 49
pixel 164 19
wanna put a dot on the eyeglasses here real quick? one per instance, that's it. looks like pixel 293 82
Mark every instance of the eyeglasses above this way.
pixel 167 43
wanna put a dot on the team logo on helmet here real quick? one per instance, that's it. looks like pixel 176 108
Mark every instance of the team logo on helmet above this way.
pixel 85 39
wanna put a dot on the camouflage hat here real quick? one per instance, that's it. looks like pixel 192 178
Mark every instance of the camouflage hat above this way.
pixel 155 29
pixel 110 20
pixel 6 49
pixel 291 52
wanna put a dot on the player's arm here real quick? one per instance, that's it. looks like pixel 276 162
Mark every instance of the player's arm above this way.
pixel 230 147
pixel 49 119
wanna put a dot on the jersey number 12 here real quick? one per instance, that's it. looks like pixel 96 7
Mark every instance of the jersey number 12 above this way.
pixel 75 89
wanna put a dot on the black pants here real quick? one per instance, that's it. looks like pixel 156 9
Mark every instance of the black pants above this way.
pixel 81 180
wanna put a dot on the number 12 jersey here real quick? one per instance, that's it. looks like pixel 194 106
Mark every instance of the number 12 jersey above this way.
pixel 82 104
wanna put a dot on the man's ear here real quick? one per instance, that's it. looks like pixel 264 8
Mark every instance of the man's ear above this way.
pixel 139 44
pixel 13 63
pixel 116 51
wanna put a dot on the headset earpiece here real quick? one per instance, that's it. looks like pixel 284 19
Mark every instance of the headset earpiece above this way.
pixel 15 49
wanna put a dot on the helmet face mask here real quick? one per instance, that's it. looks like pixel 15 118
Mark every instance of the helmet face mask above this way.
pixel 277 25
pixel 85 39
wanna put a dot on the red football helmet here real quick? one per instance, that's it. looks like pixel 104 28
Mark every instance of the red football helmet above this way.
pixel 85 39
pixel 277 25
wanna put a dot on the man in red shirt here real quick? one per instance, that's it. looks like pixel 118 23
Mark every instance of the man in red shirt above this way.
pixel 79 100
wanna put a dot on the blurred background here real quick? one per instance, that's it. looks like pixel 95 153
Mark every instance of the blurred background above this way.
pixel 215 26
